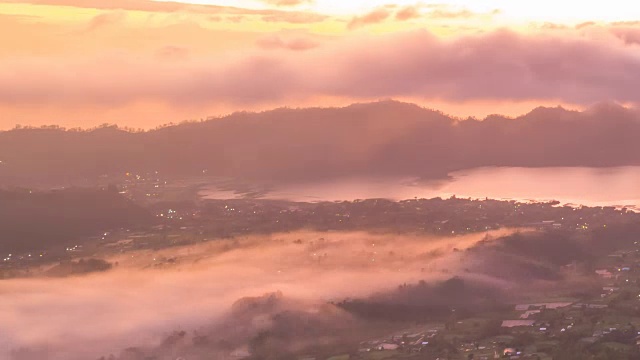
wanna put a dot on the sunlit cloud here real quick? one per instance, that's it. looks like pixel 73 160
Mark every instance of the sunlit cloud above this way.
pixel 407 13
pixel 288 2
pixel 185 53
pixel 138 305
pixel 374 17
pixel 295 44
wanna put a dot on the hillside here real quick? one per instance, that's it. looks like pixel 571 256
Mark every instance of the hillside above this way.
pixel 383 138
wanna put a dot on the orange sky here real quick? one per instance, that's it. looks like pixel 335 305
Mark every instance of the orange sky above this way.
pixel 141 63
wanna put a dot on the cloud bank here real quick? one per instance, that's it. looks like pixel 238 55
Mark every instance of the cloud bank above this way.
pixel 499 65
pixel 188 61
pixel 86 317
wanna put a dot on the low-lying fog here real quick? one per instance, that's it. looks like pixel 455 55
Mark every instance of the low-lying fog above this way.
pixel 151 293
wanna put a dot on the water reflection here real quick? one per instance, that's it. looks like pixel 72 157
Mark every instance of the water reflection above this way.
pixel 618 186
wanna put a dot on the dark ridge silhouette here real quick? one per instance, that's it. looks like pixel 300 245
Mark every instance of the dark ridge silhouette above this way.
pixel 381 138
pixel 425 301
pixel 62 217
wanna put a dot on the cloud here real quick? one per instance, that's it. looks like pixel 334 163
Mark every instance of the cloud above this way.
pixel 19 17
pixel 106 19
pixel 236 18
pixel 295 17
pixel 628 35
pixel 629 32
pixel 33 35
pixel 408 13
pixel 585 24
pixel 553 26
pixel 499 65
pixel 296 44
pixel 625 23
pixel 138 304
pixel 451 14
pixel 626 31
pixel 173 53
pixel 77 40
pixel 446 12
pixel 129 5
pixel 440 12
pixel 374 17
pixel 159 6
pixel 502 66
pixel 287 2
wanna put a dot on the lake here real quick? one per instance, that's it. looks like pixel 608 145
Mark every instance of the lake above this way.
pixel 619 186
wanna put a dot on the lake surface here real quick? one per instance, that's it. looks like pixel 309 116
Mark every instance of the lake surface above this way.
pixel 618 186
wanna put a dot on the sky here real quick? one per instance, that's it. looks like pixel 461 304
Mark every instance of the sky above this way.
pixel 143 63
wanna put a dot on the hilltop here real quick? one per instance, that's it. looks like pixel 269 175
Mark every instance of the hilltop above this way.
pixel 381 138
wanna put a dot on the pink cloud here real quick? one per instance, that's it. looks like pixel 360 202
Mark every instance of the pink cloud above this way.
pixel 374 17
pixel 173 53
pixel 502 66
pixel 106 19
pixel 236 18
pixel 295 17
pixel 553 26
pixel 451 14
pixel 133 5
pixel 629 34
pixel 287 2
pixel 408 13
pixel 168 6
pixel 295 44
pixel 585 24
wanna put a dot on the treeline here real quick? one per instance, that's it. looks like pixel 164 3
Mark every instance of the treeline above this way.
pixel 446 301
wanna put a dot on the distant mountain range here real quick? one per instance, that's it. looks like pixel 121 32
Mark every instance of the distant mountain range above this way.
pixel 381 138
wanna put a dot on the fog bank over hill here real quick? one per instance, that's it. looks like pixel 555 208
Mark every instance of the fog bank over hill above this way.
pixel 384 138
pixel 31 220
pixel 283 294
pixel 215 292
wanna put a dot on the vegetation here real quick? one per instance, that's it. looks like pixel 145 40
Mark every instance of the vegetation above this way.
pixel 62 217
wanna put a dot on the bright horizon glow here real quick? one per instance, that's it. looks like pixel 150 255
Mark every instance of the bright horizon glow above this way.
pixel 527 10
pixel 147 62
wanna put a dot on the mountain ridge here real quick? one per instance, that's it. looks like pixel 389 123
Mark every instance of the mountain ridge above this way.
pixel 380 138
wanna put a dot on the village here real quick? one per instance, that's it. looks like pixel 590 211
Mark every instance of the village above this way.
pixel 605 322
pixel 606 325
pixel 179 223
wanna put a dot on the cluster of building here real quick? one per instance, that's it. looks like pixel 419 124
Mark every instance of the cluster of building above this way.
pixel 415 342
